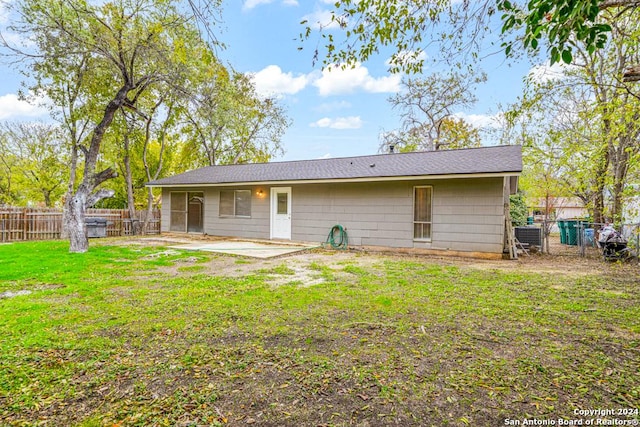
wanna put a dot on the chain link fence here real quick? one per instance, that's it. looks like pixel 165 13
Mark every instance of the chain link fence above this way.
pixel 574 237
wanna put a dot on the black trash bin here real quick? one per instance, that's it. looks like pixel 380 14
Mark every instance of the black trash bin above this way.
pixel 96 227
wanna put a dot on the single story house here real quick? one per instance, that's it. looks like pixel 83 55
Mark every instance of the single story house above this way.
pixel 451 200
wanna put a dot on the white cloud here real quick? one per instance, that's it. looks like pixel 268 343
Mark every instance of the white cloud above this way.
pixel 250 4
pixel 11 106
pixel 325 156
pixel 327 107
pixel 338 81
pixel 271 80
pixel 545 73
pixel 482 120
pixel 351 122
pixel 320 19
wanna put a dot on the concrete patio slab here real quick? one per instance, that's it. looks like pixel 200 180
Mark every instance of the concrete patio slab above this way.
pixel 244 248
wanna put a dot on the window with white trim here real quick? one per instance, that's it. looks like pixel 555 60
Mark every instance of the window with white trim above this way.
pixel 422 212
pixel 235 203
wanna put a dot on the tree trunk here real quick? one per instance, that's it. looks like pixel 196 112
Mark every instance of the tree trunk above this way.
pixel 47 198
pixel 616 211
pixel 74 222
pixel 75 209
pixel 600 184
pixel 73 168
pixel 135 225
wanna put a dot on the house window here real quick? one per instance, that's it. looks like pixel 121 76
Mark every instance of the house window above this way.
pixel 422 213
pixel 283 203
pixel 235 203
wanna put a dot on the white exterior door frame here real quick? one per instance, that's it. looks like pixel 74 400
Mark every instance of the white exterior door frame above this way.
pixel 280 213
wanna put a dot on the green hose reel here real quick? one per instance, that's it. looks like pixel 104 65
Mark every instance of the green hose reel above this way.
pixel 338 238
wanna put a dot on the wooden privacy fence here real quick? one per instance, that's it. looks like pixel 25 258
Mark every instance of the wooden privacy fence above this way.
pixel 46 224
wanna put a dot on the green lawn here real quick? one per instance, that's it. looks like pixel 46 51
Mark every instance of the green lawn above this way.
pixel 136 335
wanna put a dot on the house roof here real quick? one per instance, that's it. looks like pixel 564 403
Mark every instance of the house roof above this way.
pixel 498 160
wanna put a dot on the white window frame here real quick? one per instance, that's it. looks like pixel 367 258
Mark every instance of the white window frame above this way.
pixel 413 213
pixel 235 207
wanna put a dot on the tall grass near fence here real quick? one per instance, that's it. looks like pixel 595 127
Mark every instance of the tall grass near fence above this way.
pixel 23 224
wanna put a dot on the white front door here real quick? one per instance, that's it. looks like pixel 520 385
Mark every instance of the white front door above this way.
pixel 281 213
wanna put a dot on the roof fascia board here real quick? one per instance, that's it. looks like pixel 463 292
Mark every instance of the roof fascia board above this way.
pixel 345 180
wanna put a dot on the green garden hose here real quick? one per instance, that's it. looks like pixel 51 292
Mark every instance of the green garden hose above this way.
pixel 338 238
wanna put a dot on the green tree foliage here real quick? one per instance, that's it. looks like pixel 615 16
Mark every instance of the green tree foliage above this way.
pixel 582 129
pixel 123 77
pixel 111 54
pixel 34 156
pixel 559 24
pixel 518 209
pixel 226 122
pixel 456 133
pixel 458 28
pixel 8 170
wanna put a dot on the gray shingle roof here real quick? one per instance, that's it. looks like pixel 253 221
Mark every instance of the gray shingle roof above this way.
pixel 499 159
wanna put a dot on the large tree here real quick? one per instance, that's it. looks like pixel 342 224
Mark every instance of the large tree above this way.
pixel 226 122
pixel 591 118
pixel 112 53
pixel 427 106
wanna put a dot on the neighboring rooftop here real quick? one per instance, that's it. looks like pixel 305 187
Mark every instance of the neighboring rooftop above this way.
pixel 485 160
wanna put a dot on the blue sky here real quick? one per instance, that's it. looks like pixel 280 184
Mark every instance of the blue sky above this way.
pixel 335 113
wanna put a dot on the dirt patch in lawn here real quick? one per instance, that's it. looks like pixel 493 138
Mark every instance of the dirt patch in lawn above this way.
pixel 564 259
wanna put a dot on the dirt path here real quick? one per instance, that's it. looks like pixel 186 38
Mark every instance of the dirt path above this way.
pixel 304 267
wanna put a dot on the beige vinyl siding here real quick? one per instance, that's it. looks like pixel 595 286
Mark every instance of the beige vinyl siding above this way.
pixel 467 213
pixel 378 213
pixel 255 226
pixel 165 210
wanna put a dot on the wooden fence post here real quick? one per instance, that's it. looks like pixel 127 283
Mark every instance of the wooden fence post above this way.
pixel 24 224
